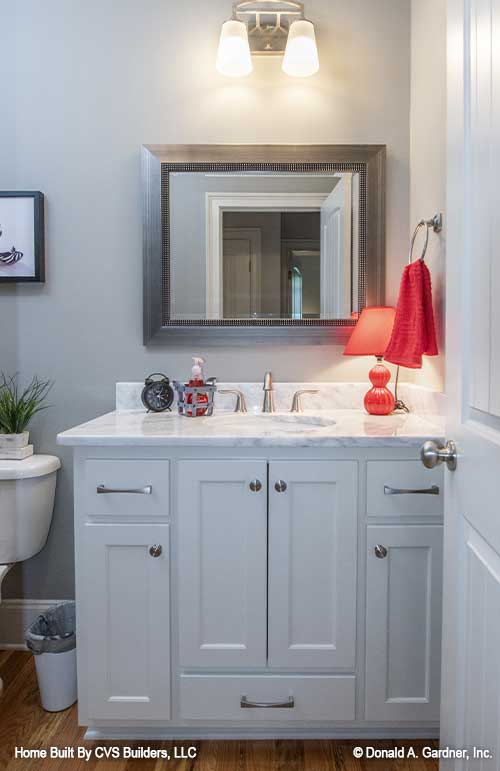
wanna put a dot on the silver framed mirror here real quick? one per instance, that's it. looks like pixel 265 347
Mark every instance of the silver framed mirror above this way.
pixel 261 243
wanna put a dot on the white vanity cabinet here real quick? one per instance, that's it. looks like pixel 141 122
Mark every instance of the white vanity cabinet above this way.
pixel 222 521
pixel 403 622
pixel 268 608
pixel 126 623
pixel 312 564
pixel 267 577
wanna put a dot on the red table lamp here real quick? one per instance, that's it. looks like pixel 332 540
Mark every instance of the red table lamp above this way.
pixel 370 338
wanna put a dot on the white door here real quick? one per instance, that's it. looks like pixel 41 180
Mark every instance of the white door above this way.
pixel 312 564
pixel 403 622
pixel 126 598
pixel 222 521
pixel 336 240
pixel 470 713
pixel 241 272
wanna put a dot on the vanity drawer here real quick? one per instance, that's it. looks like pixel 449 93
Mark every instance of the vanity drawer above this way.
pixel 403 488
pixel 219 697
pixel 121 488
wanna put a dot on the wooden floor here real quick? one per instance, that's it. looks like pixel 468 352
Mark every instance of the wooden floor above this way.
pixel 23 723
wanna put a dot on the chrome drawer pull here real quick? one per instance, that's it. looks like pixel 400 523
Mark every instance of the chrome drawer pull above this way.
pixel 434 490
pixel 245 704
pixel 103 490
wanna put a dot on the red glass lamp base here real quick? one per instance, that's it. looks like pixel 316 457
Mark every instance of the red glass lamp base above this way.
pixel 379 400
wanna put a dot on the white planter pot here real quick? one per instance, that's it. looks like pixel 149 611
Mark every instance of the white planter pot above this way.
pixel 14 441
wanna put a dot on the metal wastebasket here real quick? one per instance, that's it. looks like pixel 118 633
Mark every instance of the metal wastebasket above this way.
pixel 52 640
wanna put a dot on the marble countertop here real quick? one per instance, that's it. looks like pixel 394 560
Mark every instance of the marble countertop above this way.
pixel 328 428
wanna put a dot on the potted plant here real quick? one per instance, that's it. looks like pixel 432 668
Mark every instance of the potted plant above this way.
pixel 17 408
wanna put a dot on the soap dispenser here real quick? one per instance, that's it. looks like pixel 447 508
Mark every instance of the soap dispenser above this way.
pixel 197 381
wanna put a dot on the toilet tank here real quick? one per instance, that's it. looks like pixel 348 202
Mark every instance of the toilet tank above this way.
pixel 27 492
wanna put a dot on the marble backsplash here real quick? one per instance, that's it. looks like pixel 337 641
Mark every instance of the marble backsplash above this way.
pixel 332 396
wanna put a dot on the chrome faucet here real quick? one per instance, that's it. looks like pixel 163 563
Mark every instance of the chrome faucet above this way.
pixel 297 402
pixel 268 405
pixel 241 405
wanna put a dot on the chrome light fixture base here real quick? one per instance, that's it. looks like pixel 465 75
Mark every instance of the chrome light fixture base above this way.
pixel 267 28
pixel 268 23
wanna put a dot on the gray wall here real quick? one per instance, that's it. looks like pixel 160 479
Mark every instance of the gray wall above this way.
pixel 91 81
pixel 8 319
pixel 428 156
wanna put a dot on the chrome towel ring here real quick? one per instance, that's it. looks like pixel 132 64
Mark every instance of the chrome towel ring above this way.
pixel 436 223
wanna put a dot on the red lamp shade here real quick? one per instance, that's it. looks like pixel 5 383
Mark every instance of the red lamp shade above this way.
pixel 372 332
pixel 371 337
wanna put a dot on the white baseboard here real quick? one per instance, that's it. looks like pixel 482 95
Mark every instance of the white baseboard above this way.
pixel 193 734
pixel 15 618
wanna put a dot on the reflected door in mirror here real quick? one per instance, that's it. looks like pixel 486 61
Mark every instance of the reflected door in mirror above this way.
pixel 242 264
pixel 264 245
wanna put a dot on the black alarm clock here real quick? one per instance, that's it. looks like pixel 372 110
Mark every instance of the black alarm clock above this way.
pixel 157 394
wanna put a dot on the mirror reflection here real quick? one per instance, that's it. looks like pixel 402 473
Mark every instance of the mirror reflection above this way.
pixel 264 245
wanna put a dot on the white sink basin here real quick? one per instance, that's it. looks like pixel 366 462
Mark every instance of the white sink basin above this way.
pixel 296 419
pixel 276 421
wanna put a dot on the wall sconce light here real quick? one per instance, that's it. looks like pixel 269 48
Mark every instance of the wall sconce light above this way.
pixel 267 28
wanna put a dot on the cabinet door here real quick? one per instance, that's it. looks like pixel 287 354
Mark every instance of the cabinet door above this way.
pixel 126 624
pixel 403 622
pixel 312 564
pixel 222 563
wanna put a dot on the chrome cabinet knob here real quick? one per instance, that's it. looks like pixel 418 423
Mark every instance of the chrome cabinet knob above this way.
pixel 380 551
pixel 155 550
pixel 280 486
pixel 433 454
pixel 255 485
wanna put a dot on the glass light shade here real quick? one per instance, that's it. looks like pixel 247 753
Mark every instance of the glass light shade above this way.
pixel 233 57
pixel 372 333
pixel 301 54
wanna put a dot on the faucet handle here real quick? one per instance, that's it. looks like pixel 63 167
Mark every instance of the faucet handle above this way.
pixel 297 401
pixel 241 405
pixel 268 381
pixel 268 404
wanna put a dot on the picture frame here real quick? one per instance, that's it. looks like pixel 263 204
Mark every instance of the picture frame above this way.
pixel 22 237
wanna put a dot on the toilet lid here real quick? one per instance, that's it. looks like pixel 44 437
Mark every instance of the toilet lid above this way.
pixel 36 466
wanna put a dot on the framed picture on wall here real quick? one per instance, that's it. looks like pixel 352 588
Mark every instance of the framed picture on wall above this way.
pixel 22 256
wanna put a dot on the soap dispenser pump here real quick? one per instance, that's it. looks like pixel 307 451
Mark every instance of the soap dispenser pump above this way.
pixel 197 381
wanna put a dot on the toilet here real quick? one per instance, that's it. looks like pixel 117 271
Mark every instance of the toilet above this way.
pixel 27 491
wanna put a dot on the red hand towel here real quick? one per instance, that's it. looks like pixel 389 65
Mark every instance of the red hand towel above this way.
pixel 414 332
